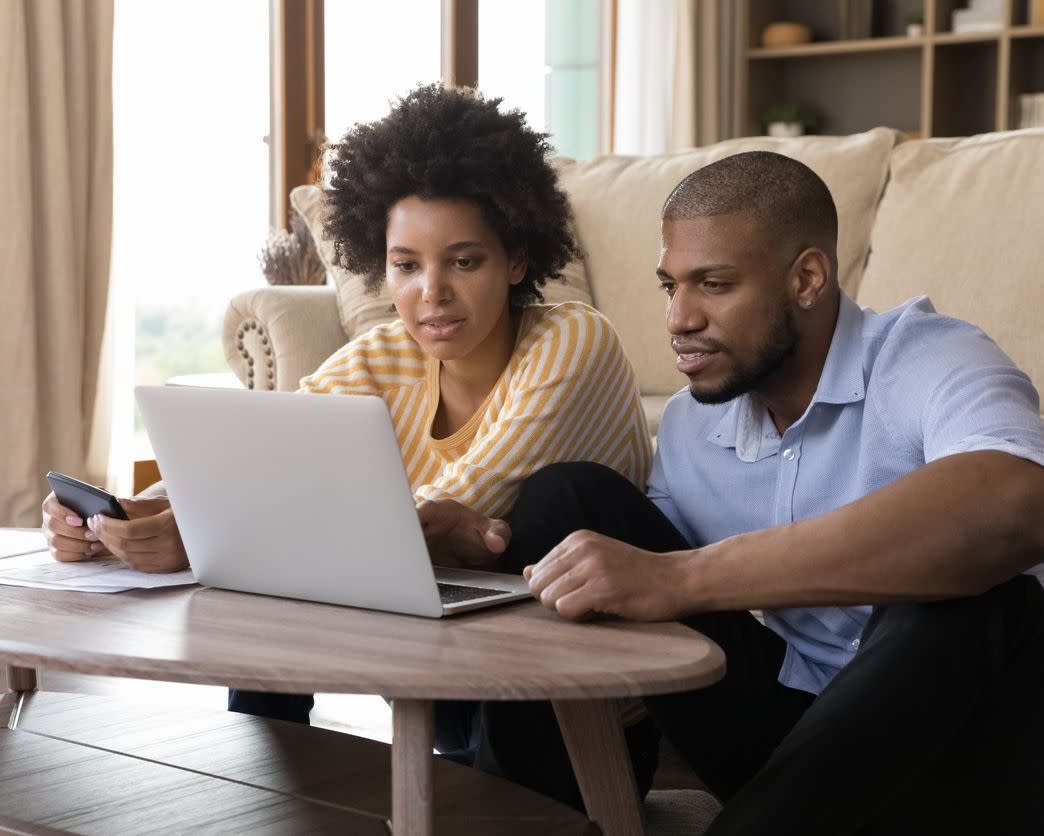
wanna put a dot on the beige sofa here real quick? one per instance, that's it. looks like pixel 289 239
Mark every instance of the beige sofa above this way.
pixel 961 220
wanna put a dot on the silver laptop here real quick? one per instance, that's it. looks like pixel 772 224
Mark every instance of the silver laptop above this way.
pixel 302 496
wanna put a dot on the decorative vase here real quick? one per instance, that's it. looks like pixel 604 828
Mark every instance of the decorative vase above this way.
pixel 1036 16
pixel 785 129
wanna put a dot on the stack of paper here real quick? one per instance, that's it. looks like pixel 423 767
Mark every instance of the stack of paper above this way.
pixel 34 568
pixel 14 541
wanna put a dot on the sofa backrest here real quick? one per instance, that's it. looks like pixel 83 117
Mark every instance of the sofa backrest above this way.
pixel 962 220
pixel 616 201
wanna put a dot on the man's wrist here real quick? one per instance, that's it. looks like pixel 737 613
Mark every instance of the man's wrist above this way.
pixel 694 581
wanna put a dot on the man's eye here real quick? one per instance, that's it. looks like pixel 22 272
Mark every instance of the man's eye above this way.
pixel 667 287
pixel 713 284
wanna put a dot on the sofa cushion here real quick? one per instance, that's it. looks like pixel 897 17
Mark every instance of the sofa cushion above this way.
pixel 617 200
pixel 653 406
pixel 961 222
pixel 360 311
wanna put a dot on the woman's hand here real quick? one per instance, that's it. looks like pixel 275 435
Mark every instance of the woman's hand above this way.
pixel 149 541
pixel 458 536
pixel 67 535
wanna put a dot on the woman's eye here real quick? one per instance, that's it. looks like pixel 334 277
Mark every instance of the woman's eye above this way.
pixel 465 262
pixel 405 266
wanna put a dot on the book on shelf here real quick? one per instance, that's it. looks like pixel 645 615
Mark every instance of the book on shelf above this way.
pixel 856 18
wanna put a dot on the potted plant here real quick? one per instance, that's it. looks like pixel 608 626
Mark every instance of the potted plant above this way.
pixel 914 25
pixel 784 119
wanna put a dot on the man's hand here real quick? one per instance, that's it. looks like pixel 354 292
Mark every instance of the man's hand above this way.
pixel 149 541
pixel 458 536
pixel 588 573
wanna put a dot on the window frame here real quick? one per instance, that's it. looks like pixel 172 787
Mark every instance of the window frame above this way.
pixel 297 132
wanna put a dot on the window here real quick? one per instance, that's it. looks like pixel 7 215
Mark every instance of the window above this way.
pixel 191 193
pixel 546 58
pixel 374 52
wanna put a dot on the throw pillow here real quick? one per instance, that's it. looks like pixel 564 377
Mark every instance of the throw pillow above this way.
pixel 960 221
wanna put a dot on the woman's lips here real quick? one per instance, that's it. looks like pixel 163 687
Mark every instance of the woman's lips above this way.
pixel 695 361
pixel 442 328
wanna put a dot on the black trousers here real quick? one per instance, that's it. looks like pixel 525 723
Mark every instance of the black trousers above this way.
pixel 936 726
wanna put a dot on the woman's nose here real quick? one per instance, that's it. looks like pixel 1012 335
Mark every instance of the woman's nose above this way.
pixel 435 287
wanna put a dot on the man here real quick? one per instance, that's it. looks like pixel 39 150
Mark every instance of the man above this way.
pixel 872 482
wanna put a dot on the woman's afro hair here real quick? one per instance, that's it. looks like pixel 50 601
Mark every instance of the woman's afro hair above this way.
pixel 440 142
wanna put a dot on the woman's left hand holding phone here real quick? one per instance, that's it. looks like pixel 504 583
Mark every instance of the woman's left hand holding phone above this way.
pixel 149 541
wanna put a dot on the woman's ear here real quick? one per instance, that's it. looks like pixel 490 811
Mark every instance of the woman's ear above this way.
pixel 518 267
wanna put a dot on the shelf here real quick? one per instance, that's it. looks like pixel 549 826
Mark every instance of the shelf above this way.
pixel 966 37
pixel 862 45
pixel 964 95
pixel 941 82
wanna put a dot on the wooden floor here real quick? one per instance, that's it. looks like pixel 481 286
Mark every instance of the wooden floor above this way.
pixel 363 715
pixel 87 764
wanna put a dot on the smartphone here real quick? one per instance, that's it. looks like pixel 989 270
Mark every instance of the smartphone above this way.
pixel 86 500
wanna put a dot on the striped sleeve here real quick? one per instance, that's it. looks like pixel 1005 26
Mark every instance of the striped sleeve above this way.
pixel 574 397
pixel 384 358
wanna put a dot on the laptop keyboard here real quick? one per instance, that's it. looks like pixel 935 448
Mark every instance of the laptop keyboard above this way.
pixel 453 593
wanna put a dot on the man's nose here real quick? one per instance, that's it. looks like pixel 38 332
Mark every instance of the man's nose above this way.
pixel 684 313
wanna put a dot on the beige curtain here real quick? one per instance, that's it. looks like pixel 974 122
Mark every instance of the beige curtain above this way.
pixel 677 64
pixel 708 50
pixel 55 231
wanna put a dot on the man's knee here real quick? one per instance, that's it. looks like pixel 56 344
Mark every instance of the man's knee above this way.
pixel 569 478
pixel 1006 614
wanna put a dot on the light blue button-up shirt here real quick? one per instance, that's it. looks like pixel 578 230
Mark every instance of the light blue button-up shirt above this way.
pixel 898 389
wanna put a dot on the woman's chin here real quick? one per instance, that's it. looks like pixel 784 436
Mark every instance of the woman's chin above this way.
pixel 445 351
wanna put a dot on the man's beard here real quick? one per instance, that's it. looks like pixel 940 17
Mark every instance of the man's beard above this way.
pixel 771 356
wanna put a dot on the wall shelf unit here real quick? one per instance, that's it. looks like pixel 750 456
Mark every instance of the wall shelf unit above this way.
pixel 937 83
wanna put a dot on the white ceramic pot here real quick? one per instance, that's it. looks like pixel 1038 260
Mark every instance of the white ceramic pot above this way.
pixel 785 129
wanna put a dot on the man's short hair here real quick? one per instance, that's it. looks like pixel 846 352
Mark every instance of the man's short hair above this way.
pixel 787 198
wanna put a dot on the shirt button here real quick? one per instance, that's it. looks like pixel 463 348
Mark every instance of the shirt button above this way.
pixel 789 454
pixel 855 644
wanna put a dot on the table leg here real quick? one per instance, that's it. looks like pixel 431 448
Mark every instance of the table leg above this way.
pixel 595 740
pixel 20 679
pixel 413 738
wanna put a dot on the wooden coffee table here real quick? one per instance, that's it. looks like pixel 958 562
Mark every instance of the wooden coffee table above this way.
pixel 514 652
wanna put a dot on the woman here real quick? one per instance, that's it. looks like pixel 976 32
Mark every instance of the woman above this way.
pixel 455 205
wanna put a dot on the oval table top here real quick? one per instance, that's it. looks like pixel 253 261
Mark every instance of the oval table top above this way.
pixel 217 637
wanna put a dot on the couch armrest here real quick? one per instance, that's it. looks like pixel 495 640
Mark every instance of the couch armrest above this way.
pixel 274 336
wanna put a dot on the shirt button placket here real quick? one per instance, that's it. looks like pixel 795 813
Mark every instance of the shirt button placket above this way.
pixel 788 471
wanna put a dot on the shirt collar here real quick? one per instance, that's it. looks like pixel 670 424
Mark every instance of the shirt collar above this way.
pixel 746 425
pixel 842 377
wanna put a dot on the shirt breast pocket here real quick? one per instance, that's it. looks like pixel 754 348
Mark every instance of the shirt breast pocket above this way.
pixel 844 622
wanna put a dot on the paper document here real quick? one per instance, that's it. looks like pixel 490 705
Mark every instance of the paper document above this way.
pixel 106 574
pixel 14 541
